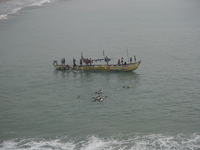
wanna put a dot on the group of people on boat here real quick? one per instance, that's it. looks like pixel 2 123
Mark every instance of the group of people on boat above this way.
pixel 134 59
pixel 121 62
pixel 86 61
pixel 90 61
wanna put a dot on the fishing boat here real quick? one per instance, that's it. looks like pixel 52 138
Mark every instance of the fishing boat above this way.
pixel 88 65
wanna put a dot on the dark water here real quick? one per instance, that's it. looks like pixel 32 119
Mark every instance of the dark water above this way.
pixel 41 108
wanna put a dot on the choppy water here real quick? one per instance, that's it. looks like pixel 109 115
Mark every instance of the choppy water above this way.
pixel 41 108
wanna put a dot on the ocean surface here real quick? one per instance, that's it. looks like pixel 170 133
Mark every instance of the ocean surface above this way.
pixel 42 108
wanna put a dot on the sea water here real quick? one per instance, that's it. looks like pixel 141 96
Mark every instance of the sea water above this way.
pixel 44 108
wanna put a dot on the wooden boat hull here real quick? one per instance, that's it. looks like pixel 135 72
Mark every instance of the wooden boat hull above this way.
pixel 121 68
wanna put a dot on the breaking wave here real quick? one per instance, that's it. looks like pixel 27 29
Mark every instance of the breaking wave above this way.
pixel 136 142
pixel 13 6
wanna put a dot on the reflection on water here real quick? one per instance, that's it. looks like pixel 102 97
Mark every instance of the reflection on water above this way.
pixel 118 79
pixel 120 75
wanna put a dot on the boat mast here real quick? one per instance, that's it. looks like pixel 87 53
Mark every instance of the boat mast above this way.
pixel 127 54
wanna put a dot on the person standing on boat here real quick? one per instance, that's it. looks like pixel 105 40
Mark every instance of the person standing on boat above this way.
pixel 118 62
pixel 55 62
pixel 81 62
pixel 63 61
pixel 106 60
pixel 134 58
pixel 90 61
pixel 87 61
pixel 74 62
pixel 122 60
pixel 130 59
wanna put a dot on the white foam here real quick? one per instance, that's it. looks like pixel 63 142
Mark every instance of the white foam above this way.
pixel 137 142
pixel 12 7
pixel 15 11
pixel 3 17
pixel 30 144
pixel 40 3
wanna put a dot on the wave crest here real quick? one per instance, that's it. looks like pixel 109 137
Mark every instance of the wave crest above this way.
pixel 153 142
pixel 13 6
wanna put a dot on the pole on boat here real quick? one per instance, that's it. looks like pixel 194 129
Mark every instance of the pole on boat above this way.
pixel 127 54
